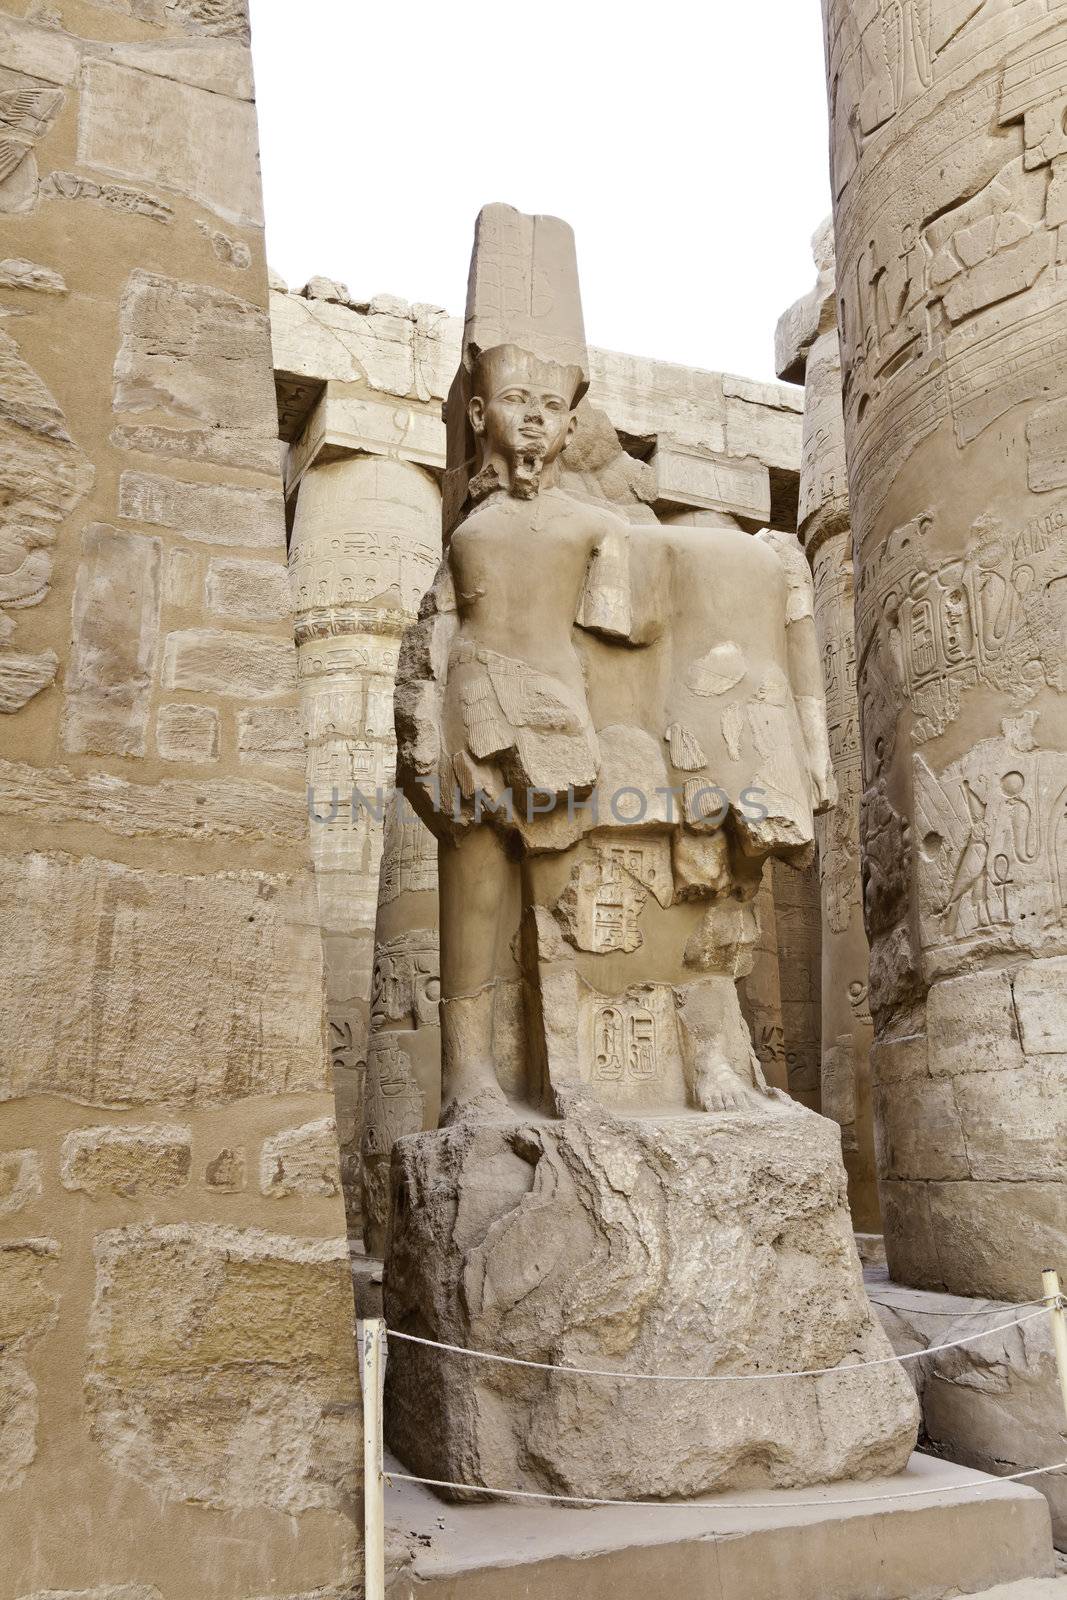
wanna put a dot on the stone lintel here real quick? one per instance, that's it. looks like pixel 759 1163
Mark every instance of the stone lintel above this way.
pixel 345 424
pixel 696 478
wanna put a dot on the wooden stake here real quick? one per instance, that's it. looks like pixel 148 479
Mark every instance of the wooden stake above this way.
pixel 1050 1282
pixel 372 1352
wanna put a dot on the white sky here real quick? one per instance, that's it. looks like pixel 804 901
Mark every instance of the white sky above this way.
pixel 685 144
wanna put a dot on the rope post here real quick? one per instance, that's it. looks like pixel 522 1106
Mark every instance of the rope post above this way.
pixel 1050 1282
pixel 372 1353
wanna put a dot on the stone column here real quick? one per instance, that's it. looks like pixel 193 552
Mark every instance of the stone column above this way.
pixel 807 350
pixel 950 197
pixel 364 547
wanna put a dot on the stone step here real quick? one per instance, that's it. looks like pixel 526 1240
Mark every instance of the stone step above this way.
pixel 952 1542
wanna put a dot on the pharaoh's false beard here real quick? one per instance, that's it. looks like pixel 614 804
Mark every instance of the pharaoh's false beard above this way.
pixel 525 482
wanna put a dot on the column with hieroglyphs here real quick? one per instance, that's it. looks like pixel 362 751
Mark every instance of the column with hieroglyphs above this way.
pixel 364 545
pixel 807 349
pixel 950 203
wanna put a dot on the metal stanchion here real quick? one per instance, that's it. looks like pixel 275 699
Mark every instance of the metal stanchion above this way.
pixel 1050 1282
pixel 372 1353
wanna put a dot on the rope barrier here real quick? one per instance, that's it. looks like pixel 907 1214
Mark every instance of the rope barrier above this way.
pixel 373 1340
pixel 718 1377
pixel 732 1505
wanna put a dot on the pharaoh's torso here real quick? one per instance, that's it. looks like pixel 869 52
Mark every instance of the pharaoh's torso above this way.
pixel 518 567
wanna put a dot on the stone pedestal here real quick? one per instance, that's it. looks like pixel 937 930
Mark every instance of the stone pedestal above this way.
pixel 960 1535
pixel 686 1244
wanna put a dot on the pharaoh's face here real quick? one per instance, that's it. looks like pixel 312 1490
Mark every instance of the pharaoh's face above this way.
pixel 525 422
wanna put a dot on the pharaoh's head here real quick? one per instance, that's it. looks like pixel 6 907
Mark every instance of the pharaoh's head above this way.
pixel 522 413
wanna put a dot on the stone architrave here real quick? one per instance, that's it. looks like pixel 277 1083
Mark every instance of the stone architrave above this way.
pixel 366 541
pixel 948 157
pixel 807 350
pixel 610 739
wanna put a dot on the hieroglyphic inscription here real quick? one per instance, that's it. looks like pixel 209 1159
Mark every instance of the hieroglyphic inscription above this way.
pixel 993 859
pixel 996 615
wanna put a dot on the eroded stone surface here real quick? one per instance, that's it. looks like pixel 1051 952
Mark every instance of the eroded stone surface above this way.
pixel 237 1329
pixel 251 590
pixel 301 1161
pixel 993 1403
pixel 18 1423
pixel 206 512
pixel 148 1159
pixel 29 1306
pixel 115 622
pixel 187 733
pixel 217 661
pixel 153 129
pixel 196 352
pixel 554 1241
pixel 20 1180
pixel 209 1030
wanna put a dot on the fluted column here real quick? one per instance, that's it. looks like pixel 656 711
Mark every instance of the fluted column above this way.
pixel 950 200
pixel 366 542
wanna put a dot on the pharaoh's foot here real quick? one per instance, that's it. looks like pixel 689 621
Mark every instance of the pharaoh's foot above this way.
pixel 474 1101
pixel 719 1088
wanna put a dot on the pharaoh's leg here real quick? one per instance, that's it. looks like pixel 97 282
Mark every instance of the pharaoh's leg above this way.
pixel 722 1067
pixel 723 1070
pixel 476 880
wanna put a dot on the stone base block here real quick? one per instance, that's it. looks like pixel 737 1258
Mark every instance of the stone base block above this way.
pixel 994 1405
pixel 952 1542
pixel 689 1244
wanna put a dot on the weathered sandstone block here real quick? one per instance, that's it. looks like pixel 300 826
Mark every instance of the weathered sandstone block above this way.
pixel 18 1423
pixel 210 513
pixel 115 623
pixel 153 1159
pixel 218 662
pixel 252 590
pixel 215 1369
pixel 187 733
pixel 28 1306
pixel 687 1245
pixel 140 126
pixel 274 734
pixel 225 1172
pixel 20 1180
pixel 993 1405
pixel 195 352
pixel 209 1030
pixel 301 1161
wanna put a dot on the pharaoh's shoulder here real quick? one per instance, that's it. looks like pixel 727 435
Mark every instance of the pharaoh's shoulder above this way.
pixel 790 552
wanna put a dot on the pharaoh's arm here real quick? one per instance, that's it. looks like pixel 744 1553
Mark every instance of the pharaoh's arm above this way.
pixel 805 666
pixel 422 769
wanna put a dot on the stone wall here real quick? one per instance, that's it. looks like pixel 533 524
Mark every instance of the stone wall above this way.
pixel 176 1345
